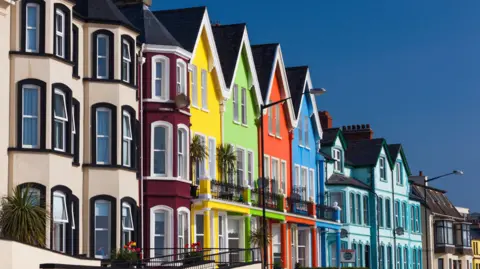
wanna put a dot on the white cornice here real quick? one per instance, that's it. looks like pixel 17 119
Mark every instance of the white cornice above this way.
pixel 167 49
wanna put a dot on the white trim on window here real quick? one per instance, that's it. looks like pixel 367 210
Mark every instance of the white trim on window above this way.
pixel 337 157
pixel 167 150
pixel 74 131
pixel 162 79
pixel 250 168
pixel 266 166
pixel 125 226
pixel 60 33
pixel 275 171
pixel 398 173
pixel 243 106
pixel 181 83
pixel 382 168
pixel 195 233
pixel 235 104
pixel 183 238
pixel 33 118
pixel 168 228
pixel 212 157
pixel 204 89
pixel 185 172
pixel 193 85
pixel 241 166
pixel 105 57
pixel 60 219
pixel 277 121
pixel 102 136
pixel 127 138
pixel 283 176
pixel 126 61
pixel 60 142
pixel 33 28
pixel 108 229
pixel 311 181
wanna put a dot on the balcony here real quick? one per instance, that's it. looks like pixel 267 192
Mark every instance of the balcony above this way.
pixel 227 191
pixel 273 201
pixel 297 203
pixel 326 212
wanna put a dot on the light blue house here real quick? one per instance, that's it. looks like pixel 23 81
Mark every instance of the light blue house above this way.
pixel 369 181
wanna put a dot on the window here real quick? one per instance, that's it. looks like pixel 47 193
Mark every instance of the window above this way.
pixel 303 183
pixel 412 219
pixel 32 27
pixel 462 235
pixel 440 263
pixel 397 214
pixel 417 219
pixel 277 120
pixel 127 223
pixel 75 50
pixel 160 78
pixel 405 258
pixel 60 220
pixel 297 175
pixel 312 186
pixel 234 228
pixel 102 242
pixel 161 221
pixel 270 120
pixel 181 77
pixel 59 33
pixel 266 166
pixel 367 256
pixel 74 131
pixel 127 139
pixel 337 197
pixel 30 120
pixel 306 131
pixel 419 258
pixel 404 215
pixel 102 56
pixel 302 247
pixel 60 120
pixel 389 257
pixel 244 106
pixel 126 61
pixel 358 209
pixel 250 168
pixel 276 243
pixel 221 231
pixel 388 216
pixel 283 176
pixel 104 130
pixel 444 232
pixel 235 103
pixel 382 169
pixel 161 132
pixel 275 168
pixel 382 257
pixel 33 195
pixel 365 210
pixel 399 258
pixel 212 165
pixel 380 212
pixel 182 155
pixel 398 173
pixel 199 230
pixel 337 157
pixel 193 85
pixel 352 208
pixel 204 89
pixel 240 166
pixel 300 132
pixel 183 222
pixel 293 247
pixel 74 239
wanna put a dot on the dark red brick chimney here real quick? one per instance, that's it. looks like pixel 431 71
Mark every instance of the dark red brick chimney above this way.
pixel 357 132
pixel 325 119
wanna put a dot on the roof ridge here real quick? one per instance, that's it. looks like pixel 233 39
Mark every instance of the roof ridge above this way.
pixel 180 9
pixel 230 25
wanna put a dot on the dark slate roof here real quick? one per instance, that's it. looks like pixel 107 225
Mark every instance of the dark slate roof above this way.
pixel 183 24
pixel 296 81
pixel 339 179
pixel 415 195
pixel 329 136
pixel 394 150
pixel 475 232
pixel 228 39
pixel 264 56
pixel 103 11
pixel 364 152
pixel 152 31
pixel 437 201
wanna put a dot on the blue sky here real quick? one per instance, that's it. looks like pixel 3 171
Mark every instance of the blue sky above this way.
pixel 409 68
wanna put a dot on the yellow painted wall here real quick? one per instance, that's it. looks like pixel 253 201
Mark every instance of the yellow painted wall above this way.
pixel 207 122
pixel 476 253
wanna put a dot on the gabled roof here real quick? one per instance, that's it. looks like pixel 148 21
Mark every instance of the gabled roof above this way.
pixel 186 26
pixel 366 152
pixel 152 31
pixel 329 136
pixel 297 77
pixel 342 180
pixel 231 41
pixel 268 57
pixel 396 149
pixel 437 201
pixel 104 11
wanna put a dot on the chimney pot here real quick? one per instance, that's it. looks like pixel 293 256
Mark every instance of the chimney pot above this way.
pixel 368 126
pixel 421 173
pixel 358 132
pixel 363 126
pixel 325 119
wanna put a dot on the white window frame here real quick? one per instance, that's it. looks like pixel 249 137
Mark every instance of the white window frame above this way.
pixel 300 131
pixel 398 173
pixel 235 104
pixel 106 57
pixel 128 207
pixel 74 130
pixel 109 151
pixel 203 164
pixel 181 70
pixel 168 236
pixel 193 85
pixel 195 234
pixel 127 139
pixel 241 229
pixel 212 157
pixel 61 222
pixel 311 182
pixel 60 35
pixel 276 233
pixel 270 120
pixel 305 130
pixel 250 167
pixel 62 120
pixel 337 157
pixel 266 164
pixel 37 88
pixel 223 233
pixel 168 148
pixel 109 228
pixel 303 181
pixel 36 28
pixel 180 235
pixel 275 172
pixel 297 179
pixel 382 169
pixel 243 106
pixel 283 176
pixel 72 225
pixel 307 245
pixel 277 121
pixel 241 166
pixel 164 80
pixel 186 154
pixel 204 89
pixel 126 60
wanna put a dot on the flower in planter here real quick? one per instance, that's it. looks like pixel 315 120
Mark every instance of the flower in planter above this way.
pixel 128 253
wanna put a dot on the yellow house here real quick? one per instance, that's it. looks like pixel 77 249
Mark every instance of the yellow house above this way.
pixel 475 233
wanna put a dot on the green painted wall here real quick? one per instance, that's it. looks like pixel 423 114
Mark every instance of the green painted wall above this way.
pixel 237 134
pixel 268 214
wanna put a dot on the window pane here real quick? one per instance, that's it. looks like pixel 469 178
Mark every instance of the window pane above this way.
pixel 127 217
pixel 159 150
pixel 160 223
pixel 102 213
pixel 102 247
pixel 59 210
pixel 32 39
pixel 102 46
pixel 59 106
pixel 199 224
pixel 32 16
pixel 158 79
pixel 102 67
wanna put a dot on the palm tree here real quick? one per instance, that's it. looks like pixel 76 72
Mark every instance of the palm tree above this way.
pixel 22 218
pixel 256 239
pixel 198 153
pixel 226 160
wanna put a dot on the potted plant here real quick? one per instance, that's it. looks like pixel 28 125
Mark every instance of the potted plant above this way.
pixel 23 217
pixel 194 254
pixel 227 160
pixel 278 265
pixel 125 257
pixel 198 153
pixel 257 240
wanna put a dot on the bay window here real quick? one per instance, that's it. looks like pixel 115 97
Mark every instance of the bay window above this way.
pixel 30 116
pixel 126 61
pixel 127 223
pixel 103 56
pixel 32 22
pixel 161 148
pixel 462 235
pixel 60 120
pixel 59 33
pixel 103 233
pixel 127 139
pixel 183 224
pixel 104 135
pixel 444 232
pixel 181 77
pixel 182 154
pixel 160 78
pixel 60 220
pixel 161 218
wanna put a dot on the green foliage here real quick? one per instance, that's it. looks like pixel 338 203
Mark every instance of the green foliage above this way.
pixel 198 152
pixel 256 237
pixel 129 252
pixel 227 160
pixel 22 217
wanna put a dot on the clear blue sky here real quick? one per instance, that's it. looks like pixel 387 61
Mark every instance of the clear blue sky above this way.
pixel 409 68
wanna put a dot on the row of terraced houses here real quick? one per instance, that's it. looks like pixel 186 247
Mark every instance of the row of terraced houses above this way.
pixel 104 100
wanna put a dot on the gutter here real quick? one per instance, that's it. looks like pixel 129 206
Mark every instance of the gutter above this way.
pixel 141 60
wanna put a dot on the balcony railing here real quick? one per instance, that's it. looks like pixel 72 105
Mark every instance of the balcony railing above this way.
pixel 227 191
pixel 326 212
pixel 273 201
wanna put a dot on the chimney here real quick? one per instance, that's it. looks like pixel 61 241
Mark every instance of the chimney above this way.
pixel 121 3
pixel 325 119
pixel 357 132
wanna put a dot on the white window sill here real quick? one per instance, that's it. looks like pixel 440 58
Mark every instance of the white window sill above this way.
pixel 272 135
pixel 195 106
pixel 157 100
pixel 244 125
pixel 278 137
pixel 236 122
pixel 205 110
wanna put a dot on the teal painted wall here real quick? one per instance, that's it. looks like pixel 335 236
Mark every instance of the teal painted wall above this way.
pixel 237 134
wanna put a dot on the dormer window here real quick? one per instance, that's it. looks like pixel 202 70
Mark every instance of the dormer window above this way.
pixel 59 33
pixel 383 172
pixel 126 61
pixel 32 27
pixel 181 77
pixel 102 56
pixel 160 74
pixel 337 157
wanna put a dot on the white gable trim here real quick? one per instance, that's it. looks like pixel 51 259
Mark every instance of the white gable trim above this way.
pixel 211 41
pixel 308 81
pixel 245 43
pixel 278 60
pixel 167 49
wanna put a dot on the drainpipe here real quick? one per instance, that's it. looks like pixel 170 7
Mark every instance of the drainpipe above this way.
pixel 394 223
pixel 141 59
pixel 372 178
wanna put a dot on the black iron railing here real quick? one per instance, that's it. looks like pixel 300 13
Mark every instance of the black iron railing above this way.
pixel 273 201
pixel 298 206
pixel 227 191
pixel 326 212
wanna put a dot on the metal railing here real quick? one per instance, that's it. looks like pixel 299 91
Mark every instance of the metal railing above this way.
pixel 298 206
pixel 227 191
pixel 273 201
pixel 326 212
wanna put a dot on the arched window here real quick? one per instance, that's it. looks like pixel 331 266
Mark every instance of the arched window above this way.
pixel 60 220
pixel 182 152
pixel 161 149
pixel 104 130
pixel 128 59
pixel 160 78
pixel 183 232
pixel 127 137
pixel 181 85
pixel 30 116
pixel 61 101
pixel 33 26
pixel 161 230
pixel 103 223
pixel 102 56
